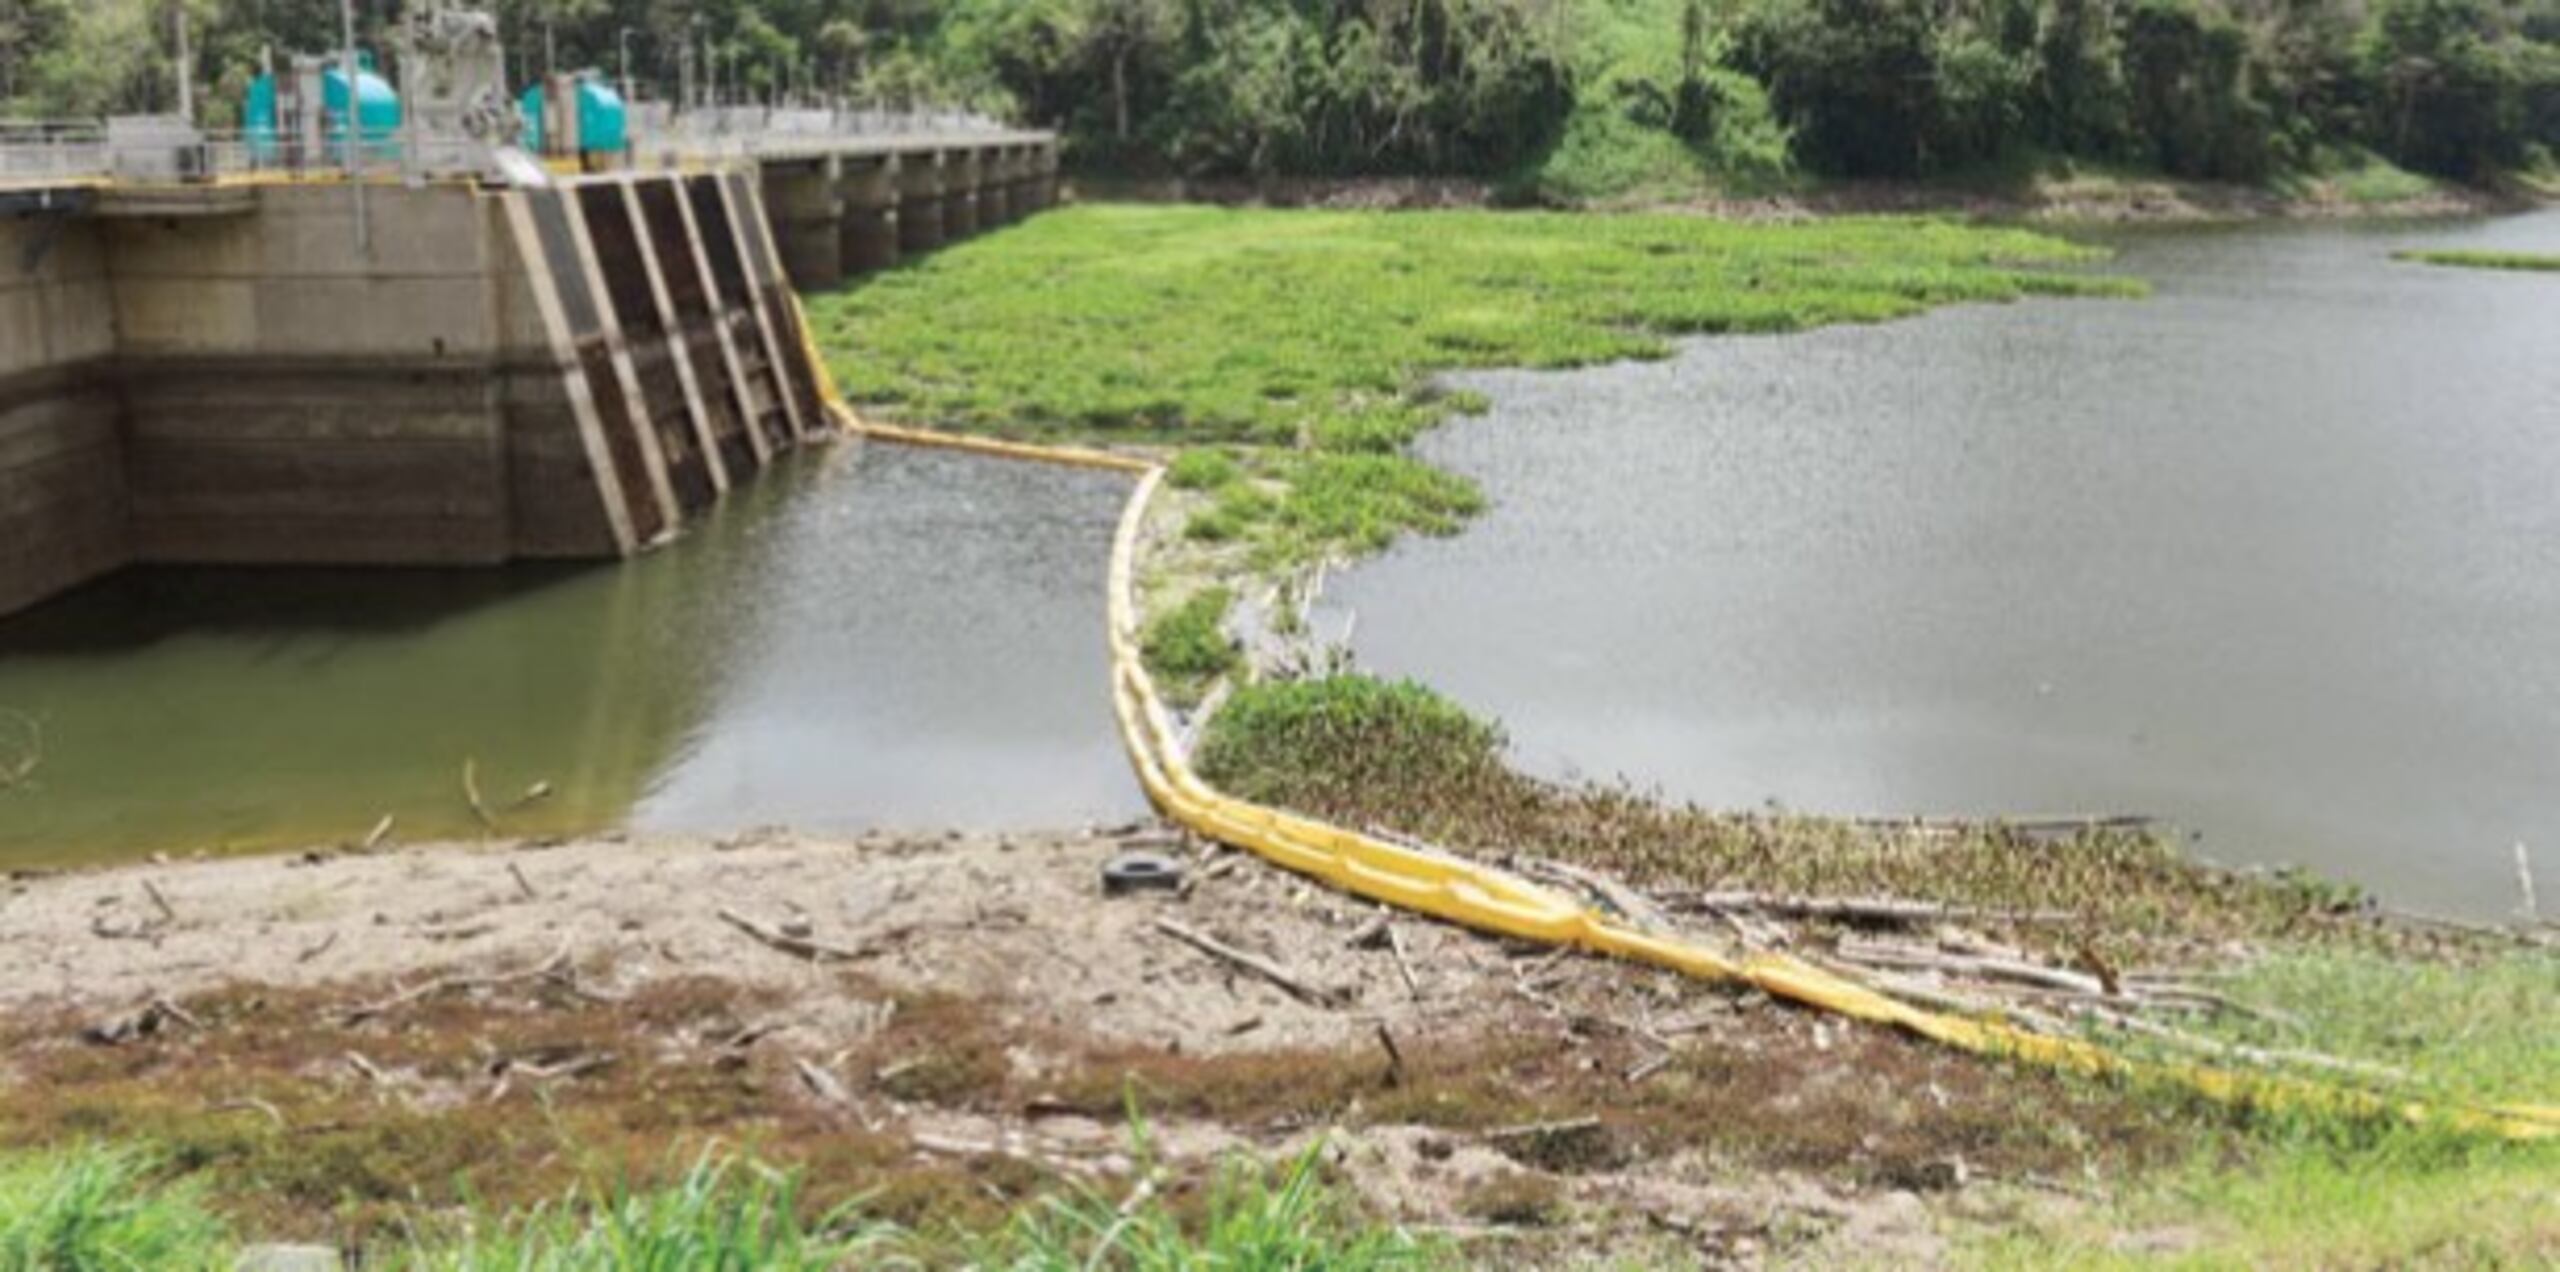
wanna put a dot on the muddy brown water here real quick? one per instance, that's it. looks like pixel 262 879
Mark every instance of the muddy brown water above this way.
pixel 2274 554
pixel 888 639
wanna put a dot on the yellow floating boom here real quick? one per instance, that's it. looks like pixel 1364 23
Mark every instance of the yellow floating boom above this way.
pixel 1489 900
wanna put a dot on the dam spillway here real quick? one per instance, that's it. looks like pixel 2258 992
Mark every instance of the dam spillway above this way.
pixel 279 370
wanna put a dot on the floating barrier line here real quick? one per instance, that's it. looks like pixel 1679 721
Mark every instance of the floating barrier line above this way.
pixel 1480 897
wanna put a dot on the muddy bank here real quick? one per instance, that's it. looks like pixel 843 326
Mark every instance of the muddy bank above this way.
pixel 353 1041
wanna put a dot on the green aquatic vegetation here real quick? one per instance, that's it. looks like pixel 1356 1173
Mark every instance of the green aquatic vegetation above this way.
pixel 1187 647
pixel 1310 340
pixel 1357 731
pixel 2482 260
pixel 1202 468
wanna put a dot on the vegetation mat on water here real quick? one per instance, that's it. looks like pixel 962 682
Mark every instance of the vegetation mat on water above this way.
pixel 1364 752
pixel 1307 341
pixel 2536 261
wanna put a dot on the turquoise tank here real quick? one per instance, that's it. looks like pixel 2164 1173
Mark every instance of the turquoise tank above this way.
pixel 377 113
pixel 601 117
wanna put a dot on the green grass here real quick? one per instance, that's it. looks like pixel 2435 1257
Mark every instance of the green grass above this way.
pixel 2486 1031
pixel 2482 260
pixel 1186 647
pixel 102 1209
pixel 1306 342
pixel 1254 1219
pixel 725 1215
pixel 108 1210
pixel 2315 1190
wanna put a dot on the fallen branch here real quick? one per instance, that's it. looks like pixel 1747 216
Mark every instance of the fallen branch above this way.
pixel 1266 969
pixel 362 1012
pixel 471 793
pixel 574 1066
pixel 1395 1055
pixel 160 902
pixel 1880 911
pixel 1627 901
pixel 1404 966
pixel 1542 1130
pixel 826 1086
pixel 249 1104
pixel 375 838
pixel 523 884
pixel 798 946
pixel 1873 955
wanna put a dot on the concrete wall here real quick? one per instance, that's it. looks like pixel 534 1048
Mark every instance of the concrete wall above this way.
pixel 62 497
pixel 293 395
pixel 284 374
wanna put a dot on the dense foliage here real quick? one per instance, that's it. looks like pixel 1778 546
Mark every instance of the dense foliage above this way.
pixel 1564 98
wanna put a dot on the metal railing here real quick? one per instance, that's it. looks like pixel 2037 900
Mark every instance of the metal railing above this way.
pixel 147 149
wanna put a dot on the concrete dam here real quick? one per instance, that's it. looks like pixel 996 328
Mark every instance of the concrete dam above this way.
pixel 286 367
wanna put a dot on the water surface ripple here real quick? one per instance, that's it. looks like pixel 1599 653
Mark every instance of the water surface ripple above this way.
pixel 2274 553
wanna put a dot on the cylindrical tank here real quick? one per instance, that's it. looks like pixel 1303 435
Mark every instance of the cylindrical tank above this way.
pixel 600 126
pixel 377 109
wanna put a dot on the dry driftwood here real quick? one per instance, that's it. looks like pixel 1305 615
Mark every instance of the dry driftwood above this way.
pixel 249 1104
pixel 1297 986
pixel 1395 1054
pixel 471 793
pixel 1543 1130
pixel 372 1072
pixel 1910 958
pixel 821 1083
pixel 1637 907
pixel 152 1017
pixel 1880 911
pixel 797 944
pixel 555 966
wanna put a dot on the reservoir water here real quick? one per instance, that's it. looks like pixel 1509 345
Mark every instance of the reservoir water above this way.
pixel 2274 554
pixel 889 638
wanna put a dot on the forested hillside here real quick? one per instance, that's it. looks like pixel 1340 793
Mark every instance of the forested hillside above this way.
pixel 1561 98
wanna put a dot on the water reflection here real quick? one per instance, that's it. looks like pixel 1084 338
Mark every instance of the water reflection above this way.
pixel 910 640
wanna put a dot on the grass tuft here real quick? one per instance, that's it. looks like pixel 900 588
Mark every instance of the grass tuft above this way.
pixel 724 1215
pixel 100 1208
pixel 1253 1218
pixel 1187 647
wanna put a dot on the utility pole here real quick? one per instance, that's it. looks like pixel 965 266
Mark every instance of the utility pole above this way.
pixel 624 40
pixel 550 52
